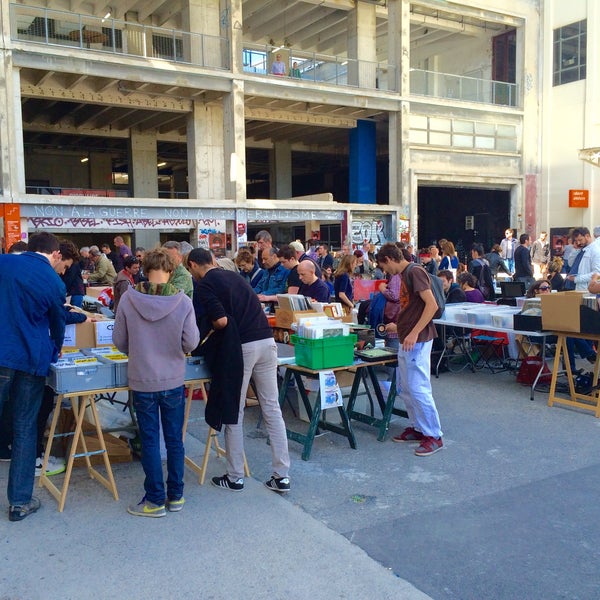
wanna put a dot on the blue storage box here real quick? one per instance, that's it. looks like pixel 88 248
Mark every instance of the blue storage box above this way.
pixel 79 373
pixel 195 368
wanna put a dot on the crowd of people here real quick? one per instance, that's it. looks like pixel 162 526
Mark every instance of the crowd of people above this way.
pixel 195 302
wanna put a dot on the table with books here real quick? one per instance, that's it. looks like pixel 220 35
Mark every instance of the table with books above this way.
pixel 491 319
pixel 317 359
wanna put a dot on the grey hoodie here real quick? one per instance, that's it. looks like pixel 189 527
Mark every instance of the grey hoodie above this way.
pixel 156 332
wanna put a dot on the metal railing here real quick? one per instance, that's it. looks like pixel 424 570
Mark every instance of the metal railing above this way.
pixel 66 191
pixel 321 68
pixel 460 87
pixel 72 30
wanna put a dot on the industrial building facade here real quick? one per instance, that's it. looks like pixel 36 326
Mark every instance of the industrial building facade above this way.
pixel 334 119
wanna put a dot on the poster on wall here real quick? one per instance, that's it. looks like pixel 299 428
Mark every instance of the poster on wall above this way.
pixel 559 238
pixel 209 227
pixel 217 243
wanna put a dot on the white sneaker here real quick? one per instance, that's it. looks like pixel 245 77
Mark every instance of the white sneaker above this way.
pixel 54 467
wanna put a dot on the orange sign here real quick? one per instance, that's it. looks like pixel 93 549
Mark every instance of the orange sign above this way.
pixel 12 224
pixel 579 198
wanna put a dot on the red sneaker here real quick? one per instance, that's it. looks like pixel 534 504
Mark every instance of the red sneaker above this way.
pixel 429 446
pixel 410 435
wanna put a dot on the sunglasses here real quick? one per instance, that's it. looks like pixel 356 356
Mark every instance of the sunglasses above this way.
pixel 544 288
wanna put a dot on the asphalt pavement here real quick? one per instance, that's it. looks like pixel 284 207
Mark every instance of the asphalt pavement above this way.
pixel 507 510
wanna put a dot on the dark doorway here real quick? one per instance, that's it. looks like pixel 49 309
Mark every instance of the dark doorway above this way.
pixel 463 216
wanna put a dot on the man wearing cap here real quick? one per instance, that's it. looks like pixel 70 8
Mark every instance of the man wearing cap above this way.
pixel 302 255
pixel 104 272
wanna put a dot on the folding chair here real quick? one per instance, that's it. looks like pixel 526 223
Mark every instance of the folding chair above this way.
pixel 490 351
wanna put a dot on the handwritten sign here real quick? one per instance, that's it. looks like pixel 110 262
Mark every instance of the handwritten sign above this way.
pixel 579 198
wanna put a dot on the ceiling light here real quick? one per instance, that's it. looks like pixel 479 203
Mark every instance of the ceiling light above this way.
pixel 85 159
pixel 161 164
pixel 276 49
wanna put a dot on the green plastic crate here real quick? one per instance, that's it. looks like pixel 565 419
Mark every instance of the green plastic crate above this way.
pixel 324 353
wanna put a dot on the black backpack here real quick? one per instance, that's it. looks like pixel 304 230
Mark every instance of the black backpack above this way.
pixel 437 289
pixel 485 281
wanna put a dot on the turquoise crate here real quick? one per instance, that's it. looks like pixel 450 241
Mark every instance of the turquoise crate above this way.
pixel 325 353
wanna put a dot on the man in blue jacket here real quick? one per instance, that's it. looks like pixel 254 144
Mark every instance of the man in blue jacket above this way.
pixel 32 330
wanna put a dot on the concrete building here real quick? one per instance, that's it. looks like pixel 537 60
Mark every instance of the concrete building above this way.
pixel 571 118
pixel 165 118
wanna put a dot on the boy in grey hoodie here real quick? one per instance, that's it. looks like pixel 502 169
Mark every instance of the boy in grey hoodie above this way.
pixel 156 327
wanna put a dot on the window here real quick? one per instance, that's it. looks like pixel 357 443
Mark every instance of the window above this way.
pixel 570 53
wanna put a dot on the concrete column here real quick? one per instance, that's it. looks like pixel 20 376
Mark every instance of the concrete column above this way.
pixel 362 52
pixel 143 173
pixel 235 143
pixel 399 126
pixel 12 153
pixel 206 165
pixel 201 17
pixel 399 45
pixel 100 171
pixel 146 238
pixel 363 163
pixel 137 39
pixel 280 171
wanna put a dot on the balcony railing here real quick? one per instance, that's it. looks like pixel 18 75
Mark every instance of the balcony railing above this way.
pixel 321 68
pixel 59 28
pixel 459 87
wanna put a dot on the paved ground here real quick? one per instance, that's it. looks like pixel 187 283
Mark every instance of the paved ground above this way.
pixel 507 510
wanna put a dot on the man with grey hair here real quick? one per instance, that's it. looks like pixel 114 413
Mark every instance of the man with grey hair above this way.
pixel 104 272
pixel 263 240
pixel 597 232
pixel 181 278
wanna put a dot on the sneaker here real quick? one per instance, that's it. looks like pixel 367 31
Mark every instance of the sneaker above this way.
pixel 410 435
pixel 228 484
pixel 175 505
pixel 429 446
pixel 145 508
pixel 54 466
pixel 279 484
pixel 18 513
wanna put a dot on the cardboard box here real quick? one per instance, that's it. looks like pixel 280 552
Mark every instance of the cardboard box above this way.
pixel 285 317
pixel 560 311
pixel 88 334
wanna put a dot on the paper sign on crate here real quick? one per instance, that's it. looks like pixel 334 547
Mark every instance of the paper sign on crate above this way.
pixel 104 331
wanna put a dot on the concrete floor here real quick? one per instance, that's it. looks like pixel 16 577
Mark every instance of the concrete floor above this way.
pixel 506 510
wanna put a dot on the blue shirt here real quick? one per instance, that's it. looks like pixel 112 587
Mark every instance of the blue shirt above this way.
pixel 32 298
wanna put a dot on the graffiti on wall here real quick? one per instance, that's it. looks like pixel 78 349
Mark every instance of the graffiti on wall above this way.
pixel 370 231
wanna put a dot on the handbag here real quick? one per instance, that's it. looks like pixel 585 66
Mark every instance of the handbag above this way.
pixel 530 367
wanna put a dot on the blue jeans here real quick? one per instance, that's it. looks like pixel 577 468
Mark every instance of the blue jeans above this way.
pixel 25 392
pixel 414 388
pixel 170 405
pixel 584 347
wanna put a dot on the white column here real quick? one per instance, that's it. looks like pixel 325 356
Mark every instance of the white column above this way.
pixel 235 143
pixel 399 127
pixel 280 171
pixel 12 162
pixel 206 165
pixel 201 17
pixel 143 173
pixel 362 51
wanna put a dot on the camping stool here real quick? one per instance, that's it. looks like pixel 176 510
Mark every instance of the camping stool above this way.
pixel 212 438
pixel 491 352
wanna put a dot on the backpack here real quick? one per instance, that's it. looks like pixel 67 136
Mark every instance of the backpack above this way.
pixel 437 289
pixel 485 283
pixel 376 312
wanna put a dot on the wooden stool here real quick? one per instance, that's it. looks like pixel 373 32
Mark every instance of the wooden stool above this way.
pixel 79 400
pixel 212 438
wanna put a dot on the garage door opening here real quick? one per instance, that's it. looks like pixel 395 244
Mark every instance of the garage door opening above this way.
pixel 463 216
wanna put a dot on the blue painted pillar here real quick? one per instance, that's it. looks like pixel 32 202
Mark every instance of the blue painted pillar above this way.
pixel 363 164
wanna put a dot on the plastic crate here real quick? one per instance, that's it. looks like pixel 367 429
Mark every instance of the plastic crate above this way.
pixel 196 368
pixel 79 373
pixel 324 353
pixel 112 356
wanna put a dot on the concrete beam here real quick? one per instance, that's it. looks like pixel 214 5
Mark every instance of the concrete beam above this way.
pixel 284 116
